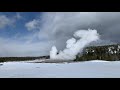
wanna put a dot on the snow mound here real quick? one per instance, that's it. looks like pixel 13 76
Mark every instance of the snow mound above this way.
pixel 98 61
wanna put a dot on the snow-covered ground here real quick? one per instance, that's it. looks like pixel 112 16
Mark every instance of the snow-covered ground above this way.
pixel 88 69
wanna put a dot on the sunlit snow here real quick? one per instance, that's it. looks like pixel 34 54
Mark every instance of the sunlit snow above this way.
pixel 87 69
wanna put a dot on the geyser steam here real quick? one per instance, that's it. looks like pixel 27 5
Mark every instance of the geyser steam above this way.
pixel 74 46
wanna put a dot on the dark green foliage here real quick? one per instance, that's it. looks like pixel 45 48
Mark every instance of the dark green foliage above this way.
pixel 100 53
pixel 5 59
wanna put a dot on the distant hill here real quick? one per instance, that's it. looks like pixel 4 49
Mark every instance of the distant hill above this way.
pixel 106 52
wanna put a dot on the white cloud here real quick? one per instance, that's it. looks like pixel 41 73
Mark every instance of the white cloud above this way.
pixel 60 26
pixel 5 21
pixel 32 25
pixel 18 16
pixel 15 48
pixel 54 28
pixel 8 21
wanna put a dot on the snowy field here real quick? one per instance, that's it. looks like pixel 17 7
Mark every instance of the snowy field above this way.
pixel 88 69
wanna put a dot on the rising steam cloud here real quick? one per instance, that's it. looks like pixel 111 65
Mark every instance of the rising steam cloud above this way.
pixel 75 46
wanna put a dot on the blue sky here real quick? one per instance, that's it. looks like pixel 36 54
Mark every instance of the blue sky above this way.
pixel 34 33
pixel 19 25
pixel 19 39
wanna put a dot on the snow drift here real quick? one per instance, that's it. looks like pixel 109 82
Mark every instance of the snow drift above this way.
pixel 87 69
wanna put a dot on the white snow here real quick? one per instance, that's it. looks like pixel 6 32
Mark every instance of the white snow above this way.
pixel 98 61
pixel 87 69
pixel 115 51
pixel 118 46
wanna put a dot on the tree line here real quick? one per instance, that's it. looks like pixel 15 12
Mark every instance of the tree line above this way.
pixel 5 59
pixel 107 52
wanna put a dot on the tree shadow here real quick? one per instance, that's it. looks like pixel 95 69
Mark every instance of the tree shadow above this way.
pixel 1 64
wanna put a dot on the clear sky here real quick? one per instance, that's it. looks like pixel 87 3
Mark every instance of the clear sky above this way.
pixel 34 33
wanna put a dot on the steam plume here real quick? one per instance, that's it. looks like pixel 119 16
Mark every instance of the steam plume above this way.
pixel 74 46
